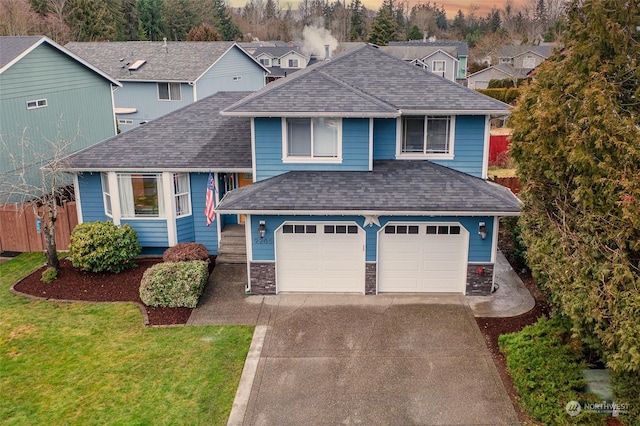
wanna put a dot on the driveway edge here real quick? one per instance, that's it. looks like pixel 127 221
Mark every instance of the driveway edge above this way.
pixel 241 400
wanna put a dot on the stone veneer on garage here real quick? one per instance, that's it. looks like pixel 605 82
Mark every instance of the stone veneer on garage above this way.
pixel 263 279
pixel 479 284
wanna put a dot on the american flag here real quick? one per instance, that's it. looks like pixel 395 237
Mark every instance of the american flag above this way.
pixel 209 211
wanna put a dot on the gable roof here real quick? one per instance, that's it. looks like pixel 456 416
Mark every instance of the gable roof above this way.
pixel 508 70
pixel 393 86
pixel 194 138
pixel 426 188
pixel 13 49
pixel 180 61
pixel 409 52
pixel 278 52
pixel 543 50
pixel 461 46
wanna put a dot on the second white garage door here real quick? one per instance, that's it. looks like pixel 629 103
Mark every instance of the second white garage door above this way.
pixel 319 257
pixel 422 258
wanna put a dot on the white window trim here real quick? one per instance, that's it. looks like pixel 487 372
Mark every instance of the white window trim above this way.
pixel 295 61
pixel 175 195
pixel 162 198
pixel 39 103
pixel 266 63
pixel 104 180
pixel 169 83
pixel 417 156
pixel 444 67
pixel 285 143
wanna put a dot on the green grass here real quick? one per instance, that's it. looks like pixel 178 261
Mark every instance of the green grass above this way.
pixel 81 363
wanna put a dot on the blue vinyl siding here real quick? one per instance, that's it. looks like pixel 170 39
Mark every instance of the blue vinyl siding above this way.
pixel 184 226
pixel 144 97
pixel 468 146
pixel 151 232
pixel 249 76
pixel 206 235
pixel 91 202
pixel 384 139
pixel 263 249
pixel 268 146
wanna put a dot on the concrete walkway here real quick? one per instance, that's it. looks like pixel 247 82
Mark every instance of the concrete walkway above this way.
pixel 352 359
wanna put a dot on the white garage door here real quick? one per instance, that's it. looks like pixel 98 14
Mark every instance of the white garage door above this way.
pixel 422 258
pixel 319 257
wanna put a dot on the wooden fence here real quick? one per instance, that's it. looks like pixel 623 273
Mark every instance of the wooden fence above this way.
pixel 513 183
pixel 19 227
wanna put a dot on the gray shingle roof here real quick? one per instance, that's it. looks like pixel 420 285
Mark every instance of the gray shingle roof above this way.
pixel 511 51
pixel 404 89
pixel 461 46
pixel 411 52
pixel 277 51
pixel 12 47
pixel 195 137
pixel 179 61
pixel 425 187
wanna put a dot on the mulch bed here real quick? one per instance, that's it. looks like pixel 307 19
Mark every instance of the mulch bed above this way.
pixel 73 284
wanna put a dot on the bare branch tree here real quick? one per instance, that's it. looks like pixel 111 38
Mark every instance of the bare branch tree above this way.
pixel 36 178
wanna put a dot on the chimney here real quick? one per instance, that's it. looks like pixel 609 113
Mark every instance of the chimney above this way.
pixel 166 48
pixel 327 53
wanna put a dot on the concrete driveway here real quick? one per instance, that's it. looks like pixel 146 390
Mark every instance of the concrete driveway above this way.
pixel 383 360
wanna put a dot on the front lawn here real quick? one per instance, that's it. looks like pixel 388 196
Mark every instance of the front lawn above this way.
pixel 85 363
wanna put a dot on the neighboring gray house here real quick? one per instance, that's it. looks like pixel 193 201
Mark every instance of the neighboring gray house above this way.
pixel 480 79
pixel 281 61
pixel 48 97
pixel 526 57
pixel 160 77
pixel 448 59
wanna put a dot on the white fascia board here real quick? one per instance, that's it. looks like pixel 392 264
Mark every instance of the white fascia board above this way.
pixel 458 112
pixel 366 213
pixel 158 169
pixel 307 114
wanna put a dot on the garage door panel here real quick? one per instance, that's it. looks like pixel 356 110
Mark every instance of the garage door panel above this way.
pixel 423 262
pixel 321 261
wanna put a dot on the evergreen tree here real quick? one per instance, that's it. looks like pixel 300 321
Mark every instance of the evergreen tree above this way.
pixel 415 33
pixel 130 23
pixel 180 17
pixel 576 142
pixel 151 15
pixel 94 20
pixel 357 21
pixel 223 22
pixel 384 28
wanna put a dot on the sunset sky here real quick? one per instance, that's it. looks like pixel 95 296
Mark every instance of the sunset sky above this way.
pixel 451 6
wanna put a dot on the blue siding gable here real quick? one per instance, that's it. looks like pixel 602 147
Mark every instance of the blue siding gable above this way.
pixel 235 71
pixel 269 140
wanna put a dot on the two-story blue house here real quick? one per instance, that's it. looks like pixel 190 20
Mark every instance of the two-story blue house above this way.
pixel 370 175
pixel 161 77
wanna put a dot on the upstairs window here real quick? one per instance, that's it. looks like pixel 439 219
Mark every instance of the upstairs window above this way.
pixel 169 92
pixel 265 61
pixel 428 136
pixel 313 138
pixel 439 67
pixel 293 63
pixel 38 103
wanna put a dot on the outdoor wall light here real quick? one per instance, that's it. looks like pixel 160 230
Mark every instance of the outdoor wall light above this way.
pixel 262 229
pixel 482 230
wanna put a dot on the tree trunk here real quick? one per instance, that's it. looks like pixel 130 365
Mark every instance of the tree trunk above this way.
pixel 49 230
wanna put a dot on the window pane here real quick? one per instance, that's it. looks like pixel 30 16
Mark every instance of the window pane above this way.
pixel 163 91
pixel 311 229
pixel 431 229
pixel 443 229
pixel 287 229
pixel 413 229
pixel 329 229
pixel 145 195
pixel 106 193
pixel 389 229
pixel 299 137
pixel 454 230
pixel 438 135
pixel 325 137
pixel 341 229
pixel 352 229
pixel 413 134
pixel 175 91
pixel 299 229
pixel 401 229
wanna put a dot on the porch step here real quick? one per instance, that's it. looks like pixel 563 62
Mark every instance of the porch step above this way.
pixel 232 247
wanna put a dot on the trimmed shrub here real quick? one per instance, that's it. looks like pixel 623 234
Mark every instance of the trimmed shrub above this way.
pixel 185 252
pixel 174 284
pixel 103 247
pixel 546 367
pixel 49 275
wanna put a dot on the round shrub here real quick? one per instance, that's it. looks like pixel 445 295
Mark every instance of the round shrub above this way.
pixel 185 252
pixel 104 247
pixel 174 284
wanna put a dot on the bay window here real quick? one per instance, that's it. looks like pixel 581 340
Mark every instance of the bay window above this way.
pixel 140 195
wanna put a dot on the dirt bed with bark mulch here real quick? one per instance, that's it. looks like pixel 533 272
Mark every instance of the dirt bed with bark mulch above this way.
pixel 73 284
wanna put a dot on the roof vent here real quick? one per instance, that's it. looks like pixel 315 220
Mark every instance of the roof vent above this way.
pixel 137 64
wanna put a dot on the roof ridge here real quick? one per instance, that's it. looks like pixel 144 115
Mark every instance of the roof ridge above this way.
pixel 359 91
